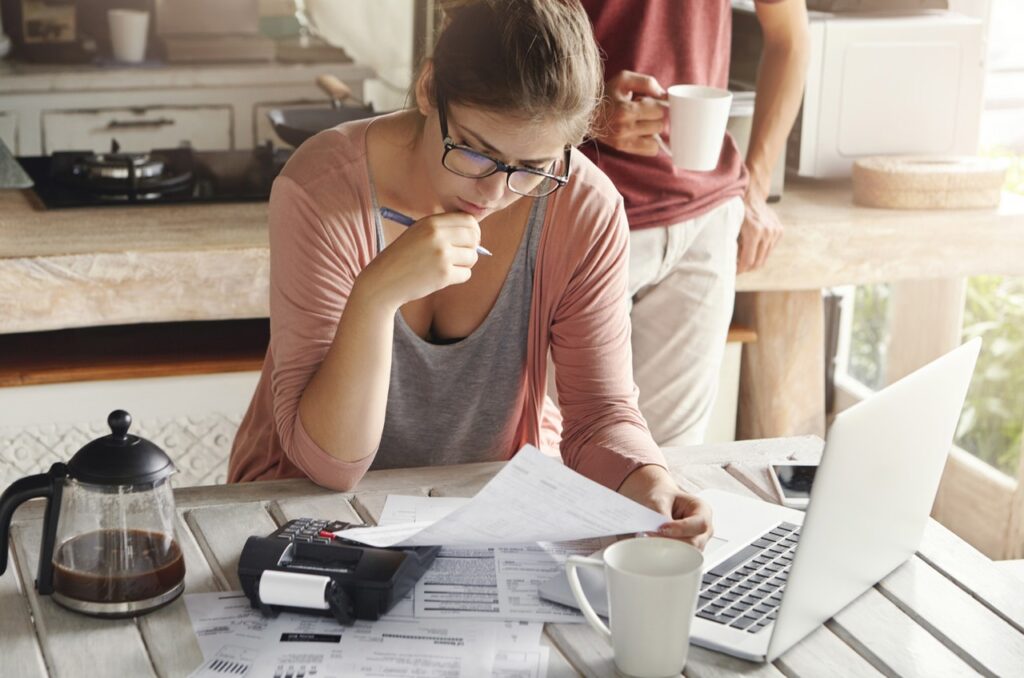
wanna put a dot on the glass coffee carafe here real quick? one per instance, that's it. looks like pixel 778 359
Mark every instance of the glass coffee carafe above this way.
pixel 109 547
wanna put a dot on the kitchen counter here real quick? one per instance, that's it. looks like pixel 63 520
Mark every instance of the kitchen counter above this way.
pixel 83 267
pixel 107 266
pixel 86 267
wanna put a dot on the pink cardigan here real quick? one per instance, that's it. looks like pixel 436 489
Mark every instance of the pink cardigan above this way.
pixel 322 235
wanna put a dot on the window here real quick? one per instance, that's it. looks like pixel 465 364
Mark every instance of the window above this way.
pixel 993 417
pixel 981 496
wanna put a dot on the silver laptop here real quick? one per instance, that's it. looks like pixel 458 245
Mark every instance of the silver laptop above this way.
pixel 772 574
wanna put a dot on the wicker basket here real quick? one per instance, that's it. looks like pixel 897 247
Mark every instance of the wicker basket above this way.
pixel 928 182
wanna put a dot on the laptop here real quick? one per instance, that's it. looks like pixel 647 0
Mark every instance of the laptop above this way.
pixel 773 574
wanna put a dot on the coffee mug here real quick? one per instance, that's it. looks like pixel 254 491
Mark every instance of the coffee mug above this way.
pixel 698 116
pixel 652 595
pixel 128 31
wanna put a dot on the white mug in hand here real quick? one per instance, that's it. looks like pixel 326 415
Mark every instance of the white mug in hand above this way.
pixel 652 595
pixel 698 116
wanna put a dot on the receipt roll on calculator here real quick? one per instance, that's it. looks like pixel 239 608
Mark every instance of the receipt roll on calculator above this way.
pixel 301 567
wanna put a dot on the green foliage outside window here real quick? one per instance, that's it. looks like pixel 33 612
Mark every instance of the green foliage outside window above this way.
pixel 870 335
pixel 993 416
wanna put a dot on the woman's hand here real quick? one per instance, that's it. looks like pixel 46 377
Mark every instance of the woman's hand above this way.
pixel 653 487
pixel 435 252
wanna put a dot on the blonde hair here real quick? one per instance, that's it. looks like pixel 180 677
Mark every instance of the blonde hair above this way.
pixel 534 59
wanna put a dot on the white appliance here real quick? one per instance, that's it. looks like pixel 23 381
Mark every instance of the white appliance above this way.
pixel 5 42
pixel 878 83
pixel 741 118
pixel 868 509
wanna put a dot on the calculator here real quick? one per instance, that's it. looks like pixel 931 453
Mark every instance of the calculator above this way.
pixel 360 582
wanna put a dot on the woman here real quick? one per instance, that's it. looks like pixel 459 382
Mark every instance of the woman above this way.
pixel 405 346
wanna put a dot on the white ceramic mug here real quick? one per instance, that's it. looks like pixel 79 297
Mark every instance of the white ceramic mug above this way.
pixel 128 31
pixel 697 116
pixel 652 595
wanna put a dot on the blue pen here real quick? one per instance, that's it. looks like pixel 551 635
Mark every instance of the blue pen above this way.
pixel 399 218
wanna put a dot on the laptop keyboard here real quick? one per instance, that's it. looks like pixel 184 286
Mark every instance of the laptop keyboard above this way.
pixel 745 590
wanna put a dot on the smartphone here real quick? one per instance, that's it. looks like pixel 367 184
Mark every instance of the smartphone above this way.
pixel 793 482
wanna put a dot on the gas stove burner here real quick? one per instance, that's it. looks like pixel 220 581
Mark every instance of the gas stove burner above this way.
pixel 125 176
pixel 118 166
pixel 160 176
pixel 123 166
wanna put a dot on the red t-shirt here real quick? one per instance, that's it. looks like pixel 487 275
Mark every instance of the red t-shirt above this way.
pixel 677 42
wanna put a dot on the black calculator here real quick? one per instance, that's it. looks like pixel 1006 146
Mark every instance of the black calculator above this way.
pixel 364 581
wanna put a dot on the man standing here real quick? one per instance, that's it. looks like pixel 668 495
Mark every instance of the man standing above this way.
pixel 691 232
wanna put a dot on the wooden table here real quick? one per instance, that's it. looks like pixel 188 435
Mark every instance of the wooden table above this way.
pixel 947 611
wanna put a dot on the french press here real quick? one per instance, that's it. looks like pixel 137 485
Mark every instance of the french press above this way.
pixel 108 547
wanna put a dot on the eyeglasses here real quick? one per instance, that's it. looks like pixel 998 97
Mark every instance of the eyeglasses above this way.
pixel 529 181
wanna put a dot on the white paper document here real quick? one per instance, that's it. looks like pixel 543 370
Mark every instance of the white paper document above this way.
pixel 532 499
pixel 521 663
pixel 225 618
pixel 227 660
pixel 240 642
pixel 499 582
pixel 319 646
pixel 402 508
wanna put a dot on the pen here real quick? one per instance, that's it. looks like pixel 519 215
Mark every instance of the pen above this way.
pixel 399 218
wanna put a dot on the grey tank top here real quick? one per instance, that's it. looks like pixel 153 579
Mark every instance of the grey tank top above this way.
pixel 460 402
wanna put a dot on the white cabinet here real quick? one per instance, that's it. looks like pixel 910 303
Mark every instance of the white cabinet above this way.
pixel 217 106
pixel 9 131
pixel 137 129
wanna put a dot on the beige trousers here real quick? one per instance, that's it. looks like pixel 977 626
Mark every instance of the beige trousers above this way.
pixel 682 283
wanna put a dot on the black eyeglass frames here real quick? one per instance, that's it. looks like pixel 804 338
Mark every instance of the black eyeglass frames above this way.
pixel 467 162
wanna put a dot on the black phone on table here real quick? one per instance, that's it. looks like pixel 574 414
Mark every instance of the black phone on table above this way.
pixel 793 481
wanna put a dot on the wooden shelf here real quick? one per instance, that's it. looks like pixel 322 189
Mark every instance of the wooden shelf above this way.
pixel 133 351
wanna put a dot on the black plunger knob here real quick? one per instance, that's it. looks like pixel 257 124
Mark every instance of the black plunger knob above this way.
pixel 119 421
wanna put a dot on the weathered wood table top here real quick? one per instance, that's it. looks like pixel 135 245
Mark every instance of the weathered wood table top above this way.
pixel 947 611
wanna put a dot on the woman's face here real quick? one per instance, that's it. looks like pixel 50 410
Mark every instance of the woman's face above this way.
pixel 501 137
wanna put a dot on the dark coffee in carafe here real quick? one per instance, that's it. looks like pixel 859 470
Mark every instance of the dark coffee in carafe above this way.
pixel 118 566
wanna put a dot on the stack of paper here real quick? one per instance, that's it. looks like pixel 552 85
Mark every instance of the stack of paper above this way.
pixel 475 612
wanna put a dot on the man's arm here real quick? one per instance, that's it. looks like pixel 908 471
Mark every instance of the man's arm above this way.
pixel 780 84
